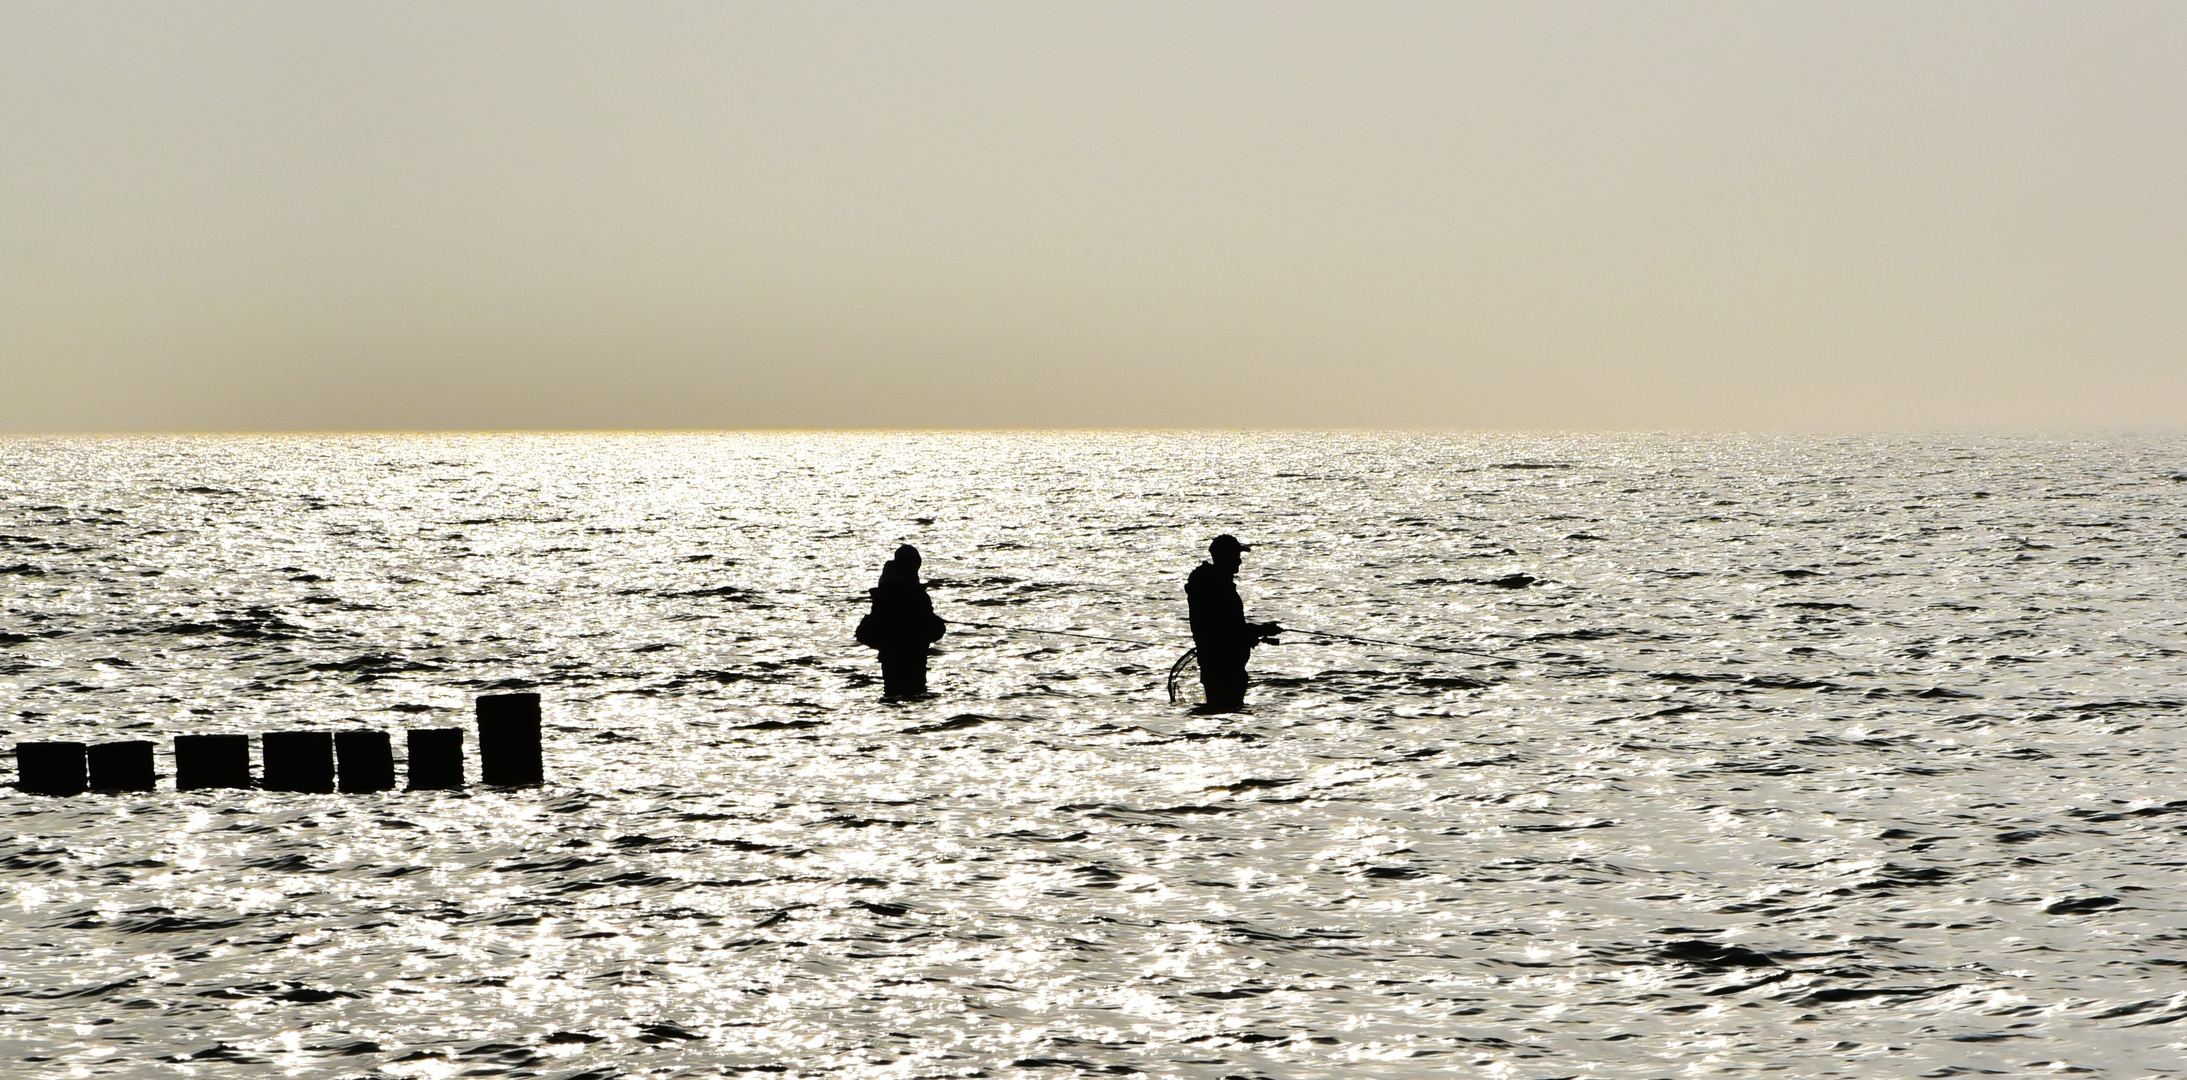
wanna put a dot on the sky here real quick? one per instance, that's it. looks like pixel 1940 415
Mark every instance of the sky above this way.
pixel 1837 216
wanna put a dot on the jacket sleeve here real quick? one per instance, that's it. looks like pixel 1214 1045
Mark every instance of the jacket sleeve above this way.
pixel 932 627
pixel 869 626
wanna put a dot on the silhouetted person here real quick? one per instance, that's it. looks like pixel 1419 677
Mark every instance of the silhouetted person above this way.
pixel 901 625
pixel 1219 629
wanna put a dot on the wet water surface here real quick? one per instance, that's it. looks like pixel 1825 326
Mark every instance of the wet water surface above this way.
pixel 1823 757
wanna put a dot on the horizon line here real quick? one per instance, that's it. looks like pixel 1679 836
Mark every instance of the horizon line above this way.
pixel 1334 429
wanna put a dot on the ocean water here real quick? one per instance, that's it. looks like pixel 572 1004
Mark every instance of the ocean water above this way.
pixel 1816 757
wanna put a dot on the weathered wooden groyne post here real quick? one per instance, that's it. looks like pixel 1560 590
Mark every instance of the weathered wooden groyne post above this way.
pixel 50 768
pixel 436 759
pixel 297 760
pixel 363 761
pixel 122 766
pixel 212 761
pixel 508 741
pixel 314 761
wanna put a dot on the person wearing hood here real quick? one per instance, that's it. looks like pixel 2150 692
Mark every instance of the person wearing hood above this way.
pixel 901 626
pixel 1219 630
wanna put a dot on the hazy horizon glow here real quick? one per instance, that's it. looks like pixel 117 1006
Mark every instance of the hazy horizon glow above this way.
pixel 406 216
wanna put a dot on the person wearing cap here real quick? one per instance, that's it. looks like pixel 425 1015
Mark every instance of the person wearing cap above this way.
pixel 1219 629
pixel 901 626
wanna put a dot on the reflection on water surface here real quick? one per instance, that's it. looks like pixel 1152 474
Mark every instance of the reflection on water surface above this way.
pixel 1831 756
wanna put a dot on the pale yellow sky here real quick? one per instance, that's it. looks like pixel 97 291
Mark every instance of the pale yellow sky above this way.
pixel 278 216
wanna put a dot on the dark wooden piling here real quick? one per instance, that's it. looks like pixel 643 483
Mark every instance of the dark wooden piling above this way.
pixel 364 761
pixel 212 761
pixel 49 768
pixel 436 759
pixel 122 766
pixel 298 760
pixel 508 741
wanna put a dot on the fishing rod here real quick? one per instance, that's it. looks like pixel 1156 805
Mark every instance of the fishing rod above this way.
pixel 1112 587
pixel 1287 629
pixel 1057 633
pixel 1181 673
pixel 1400 644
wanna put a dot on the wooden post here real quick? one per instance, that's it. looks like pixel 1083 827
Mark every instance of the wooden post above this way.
pixel 364 761
pixel 298 760
pixel 122 766
pixel 49 768
pixel 212 761
pixel 508 741
pixel 436 759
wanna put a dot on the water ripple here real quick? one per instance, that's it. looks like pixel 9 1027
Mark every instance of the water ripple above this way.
pixel 1832 756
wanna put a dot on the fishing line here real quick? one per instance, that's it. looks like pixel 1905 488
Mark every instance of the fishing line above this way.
pixel 1141 593
pixel 1401 644
pixel 1186 666
pixel 1057 633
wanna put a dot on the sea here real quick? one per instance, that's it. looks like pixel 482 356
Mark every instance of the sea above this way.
pixel 1675 755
